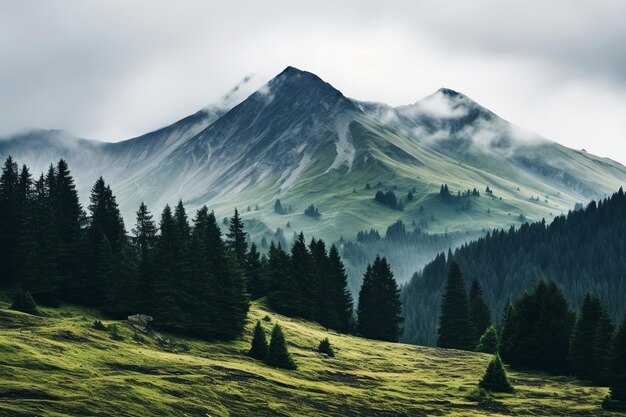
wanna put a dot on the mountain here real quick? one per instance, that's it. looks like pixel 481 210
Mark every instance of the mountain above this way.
pixel 46 362
pixel 300 140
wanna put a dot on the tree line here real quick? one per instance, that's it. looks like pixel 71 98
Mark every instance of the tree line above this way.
pixel 582 252
pixel 184 273
pixel 186 276
pixel 538 331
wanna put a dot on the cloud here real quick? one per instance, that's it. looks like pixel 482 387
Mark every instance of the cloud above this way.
pixel 116 69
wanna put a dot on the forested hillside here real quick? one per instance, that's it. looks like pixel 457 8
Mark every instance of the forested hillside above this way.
pixel 582 252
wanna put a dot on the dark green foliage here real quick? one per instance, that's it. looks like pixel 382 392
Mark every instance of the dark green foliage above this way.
pixel 66 229
pixel 537 330
pixel 9 221
pixel 389 199
pixel 603 342
pixel 98 325
pixel 22 301
pixel 277 354
pixel 114 332
pixel 618 366
pixel 283 292
pixel 256 265
pixel 591 341
pixel 303 275
pixel 479 311
pixel 236 239
pixel 325 347
pixel 312 211
pixel 311 283
pixel 259 348
pixel 341 299
pixel 488 342
pixel 145 232
pixel 278 207
pixel 379 310
pixel 455 327
pixel 495 379
pixel 185 277
pixel 581 252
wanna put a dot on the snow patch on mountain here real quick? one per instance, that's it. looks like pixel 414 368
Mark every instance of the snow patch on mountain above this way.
pixel 345 148
pixel 289 177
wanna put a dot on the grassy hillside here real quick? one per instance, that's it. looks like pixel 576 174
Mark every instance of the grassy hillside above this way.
pixel 59 365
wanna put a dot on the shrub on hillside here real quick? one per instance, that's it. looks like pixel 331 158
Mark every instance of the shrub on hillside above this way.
pixel 326 348
pixel 23 301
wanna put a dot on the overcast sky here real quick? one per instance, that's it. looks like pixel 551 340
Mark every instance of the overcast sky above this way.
pixel 116 69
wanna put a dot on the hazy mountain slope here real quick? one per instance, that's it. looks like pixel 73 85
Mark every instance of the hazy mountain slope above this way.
pixel 456 126
pixel 58 365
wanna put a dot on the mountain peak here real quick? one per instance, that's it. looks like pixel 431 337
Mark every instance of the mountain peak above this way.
pixel 449 92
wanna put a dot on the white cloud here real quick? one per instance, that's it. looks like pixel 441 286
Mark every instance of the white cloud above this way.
pixel 112 70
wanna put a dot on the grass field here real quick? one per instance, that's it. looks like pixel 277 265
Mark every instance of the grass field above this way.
pixel 60 366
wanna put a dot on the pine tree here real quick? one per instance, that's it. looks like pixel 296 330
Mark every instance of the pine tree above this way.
pixel 379 310
pixel 283 293
pixel 145 232
pixel 488 342
pixel 326 348
pixel 618 366
pixel 507 332
pixel 538 333
pixel 22 301
pixel 277 354
pixel 603 340
pixel 105 222
pixel 259 348
pixel 66 231
pixel 164 305
pixel 236 239
pixel 9 221
pixel 479 310
pixel 201 289
pixel 37 272
pixel 255 268
pixel 342 299
pixel 495 378
pixel 302 274
pixel 455 327
pixel 583 338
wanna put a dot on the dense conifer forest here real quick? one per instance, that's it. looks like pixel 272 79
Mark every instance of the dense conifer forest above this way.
pixel 184 273
pixel 582 252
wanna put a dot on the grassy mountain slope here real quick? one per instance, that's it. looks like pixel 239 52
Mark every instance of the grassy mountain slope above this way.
pixel 59 366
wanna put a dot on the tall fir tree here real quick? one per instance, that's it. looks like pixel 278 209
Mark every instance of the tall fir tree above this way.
pixel 495 378
pixel 283 293
pixel 302 274
pixel 479 310
pixel 538 333
pixel 342 299
pixel 236 238
pixel 9 221
pixel 35 264
pixel 277 353
pixel 455 327
pixel 145 239
pixel 379 310
pixel 105 221
pixel 618 366
pixel 67 232
pixel 258 348
pixel 583 338
pixel 164 305
pixel 603 340
pixel 255 268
